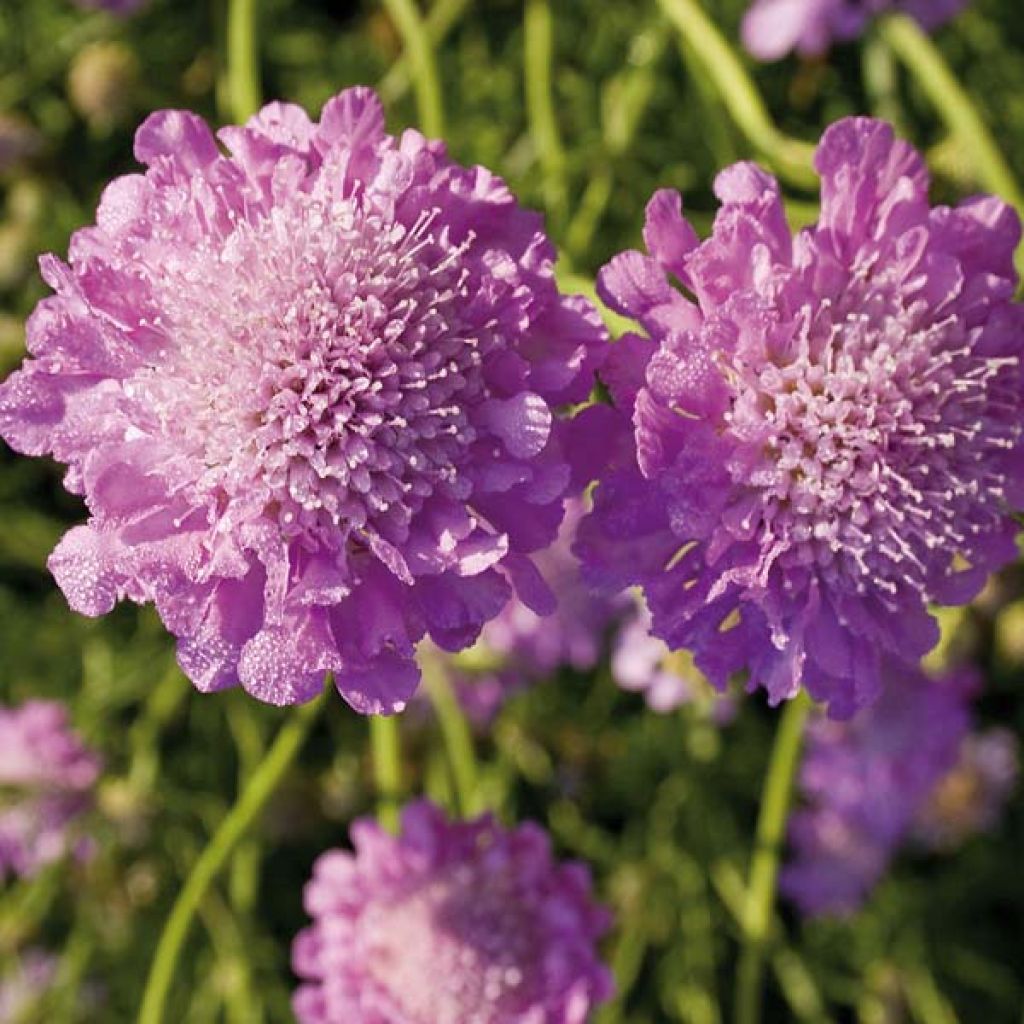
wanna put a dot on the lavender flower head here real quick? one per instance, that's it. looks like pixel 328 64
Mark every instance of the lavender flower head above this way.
pixel 307 390
pixel 773 28
pixel 828 437
pixel 971 797
pixel 46 784
pixel 864 783
pixel 449 923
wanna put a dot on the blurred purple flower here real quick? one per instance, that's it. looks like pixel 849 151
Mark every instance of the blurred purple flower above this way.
pixel 970 798
pixel 24 981
pixel 865 782
pixel 828 437
pixel 122 8
pixel 773 28
pixel 308 392
pixel 449 923
pixel 47 778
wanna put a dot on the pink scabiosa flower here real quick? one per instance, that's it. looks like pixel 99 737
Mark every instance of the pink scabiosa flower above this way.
pixel 971 797
pixel 308 391
pixel 773 28
pixel 828 435
pixel 449 923
pixel 47 777
pixel 864 783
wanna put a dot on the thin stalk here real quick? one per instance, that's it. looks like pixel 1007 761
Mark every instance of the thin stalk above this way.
pixel 440 20
pixel 759 909
pixel 244 89
pixel 917 51
pixel 790 158
pixel 251 801
pixel 385 746
pixel 420 51
pixel 538 58
pixel 458 739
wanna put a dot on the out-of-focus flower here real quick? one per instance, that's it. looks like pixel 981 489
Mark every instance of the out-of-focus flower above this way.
pixel 518 648
pixel 19 140
pixel 449 923
pixel 308 392
pixel 773 28
pixel 971 797
pixel 23 982
pixel 828 437
pixel 47 778
pixel 121 8
pixel 865 782
pixel 668 679
pixel 102 82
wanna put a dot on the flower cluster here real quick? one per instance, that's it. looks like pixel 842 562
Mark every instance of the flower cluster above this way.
pixel 773 28
pixel 448 923
pixel 47 778
pixel 907 768
pixel 308 391
pixel 828 436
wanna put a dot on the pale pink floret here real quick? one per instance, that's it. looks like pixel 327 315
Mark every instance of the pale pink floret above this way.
pixel 827 425
pixel 449 923
pixel 308 391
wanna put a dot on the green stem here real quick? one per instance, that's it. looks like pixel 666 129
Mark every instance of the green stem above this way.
pixel 250 802
pixel 759 908
pixel 244 88
pixel 458 739
pixel 438 23
pixel 790 158
pixel 917 51
pixel 420 50
pixel 538 55
pixel 385 744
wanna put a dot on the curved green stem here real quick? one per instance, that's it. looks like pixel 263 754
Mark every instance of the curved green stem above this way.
pixel 440 20
pixel 916 50
pixel 538 56
pixel 420 50
pixel 385 745
pixel 759 907
pixel 251 801
pixel 244 89
pixel 458 739
pixel 790 158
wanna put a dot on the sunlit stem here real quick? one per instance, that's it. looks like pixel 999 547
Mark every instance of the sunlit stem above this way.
pixel 386 751
pixel 244 89
pixel 538 56
pixel 759 908
pixel 458 739
pixel 260 787
pixel 419 50
pixel 917 51
pixel 790 158
pixel 440 20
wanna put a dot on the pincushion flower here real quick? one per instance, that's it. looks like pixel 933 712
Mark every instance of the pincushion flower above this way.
pixel 970 798
pixel 773 28
pixel 308 390
pixel 448 923
pixel 47 778
pixel 865 782
pixel 828 435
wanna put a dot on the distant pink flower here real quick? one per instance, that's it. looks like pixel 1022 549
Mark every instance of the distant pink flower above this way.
pixel 773 28
pixel 308 391
pixel 449 923
pixel 46 784
pixel 122 8
pixel 828 434
pixel 25 979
